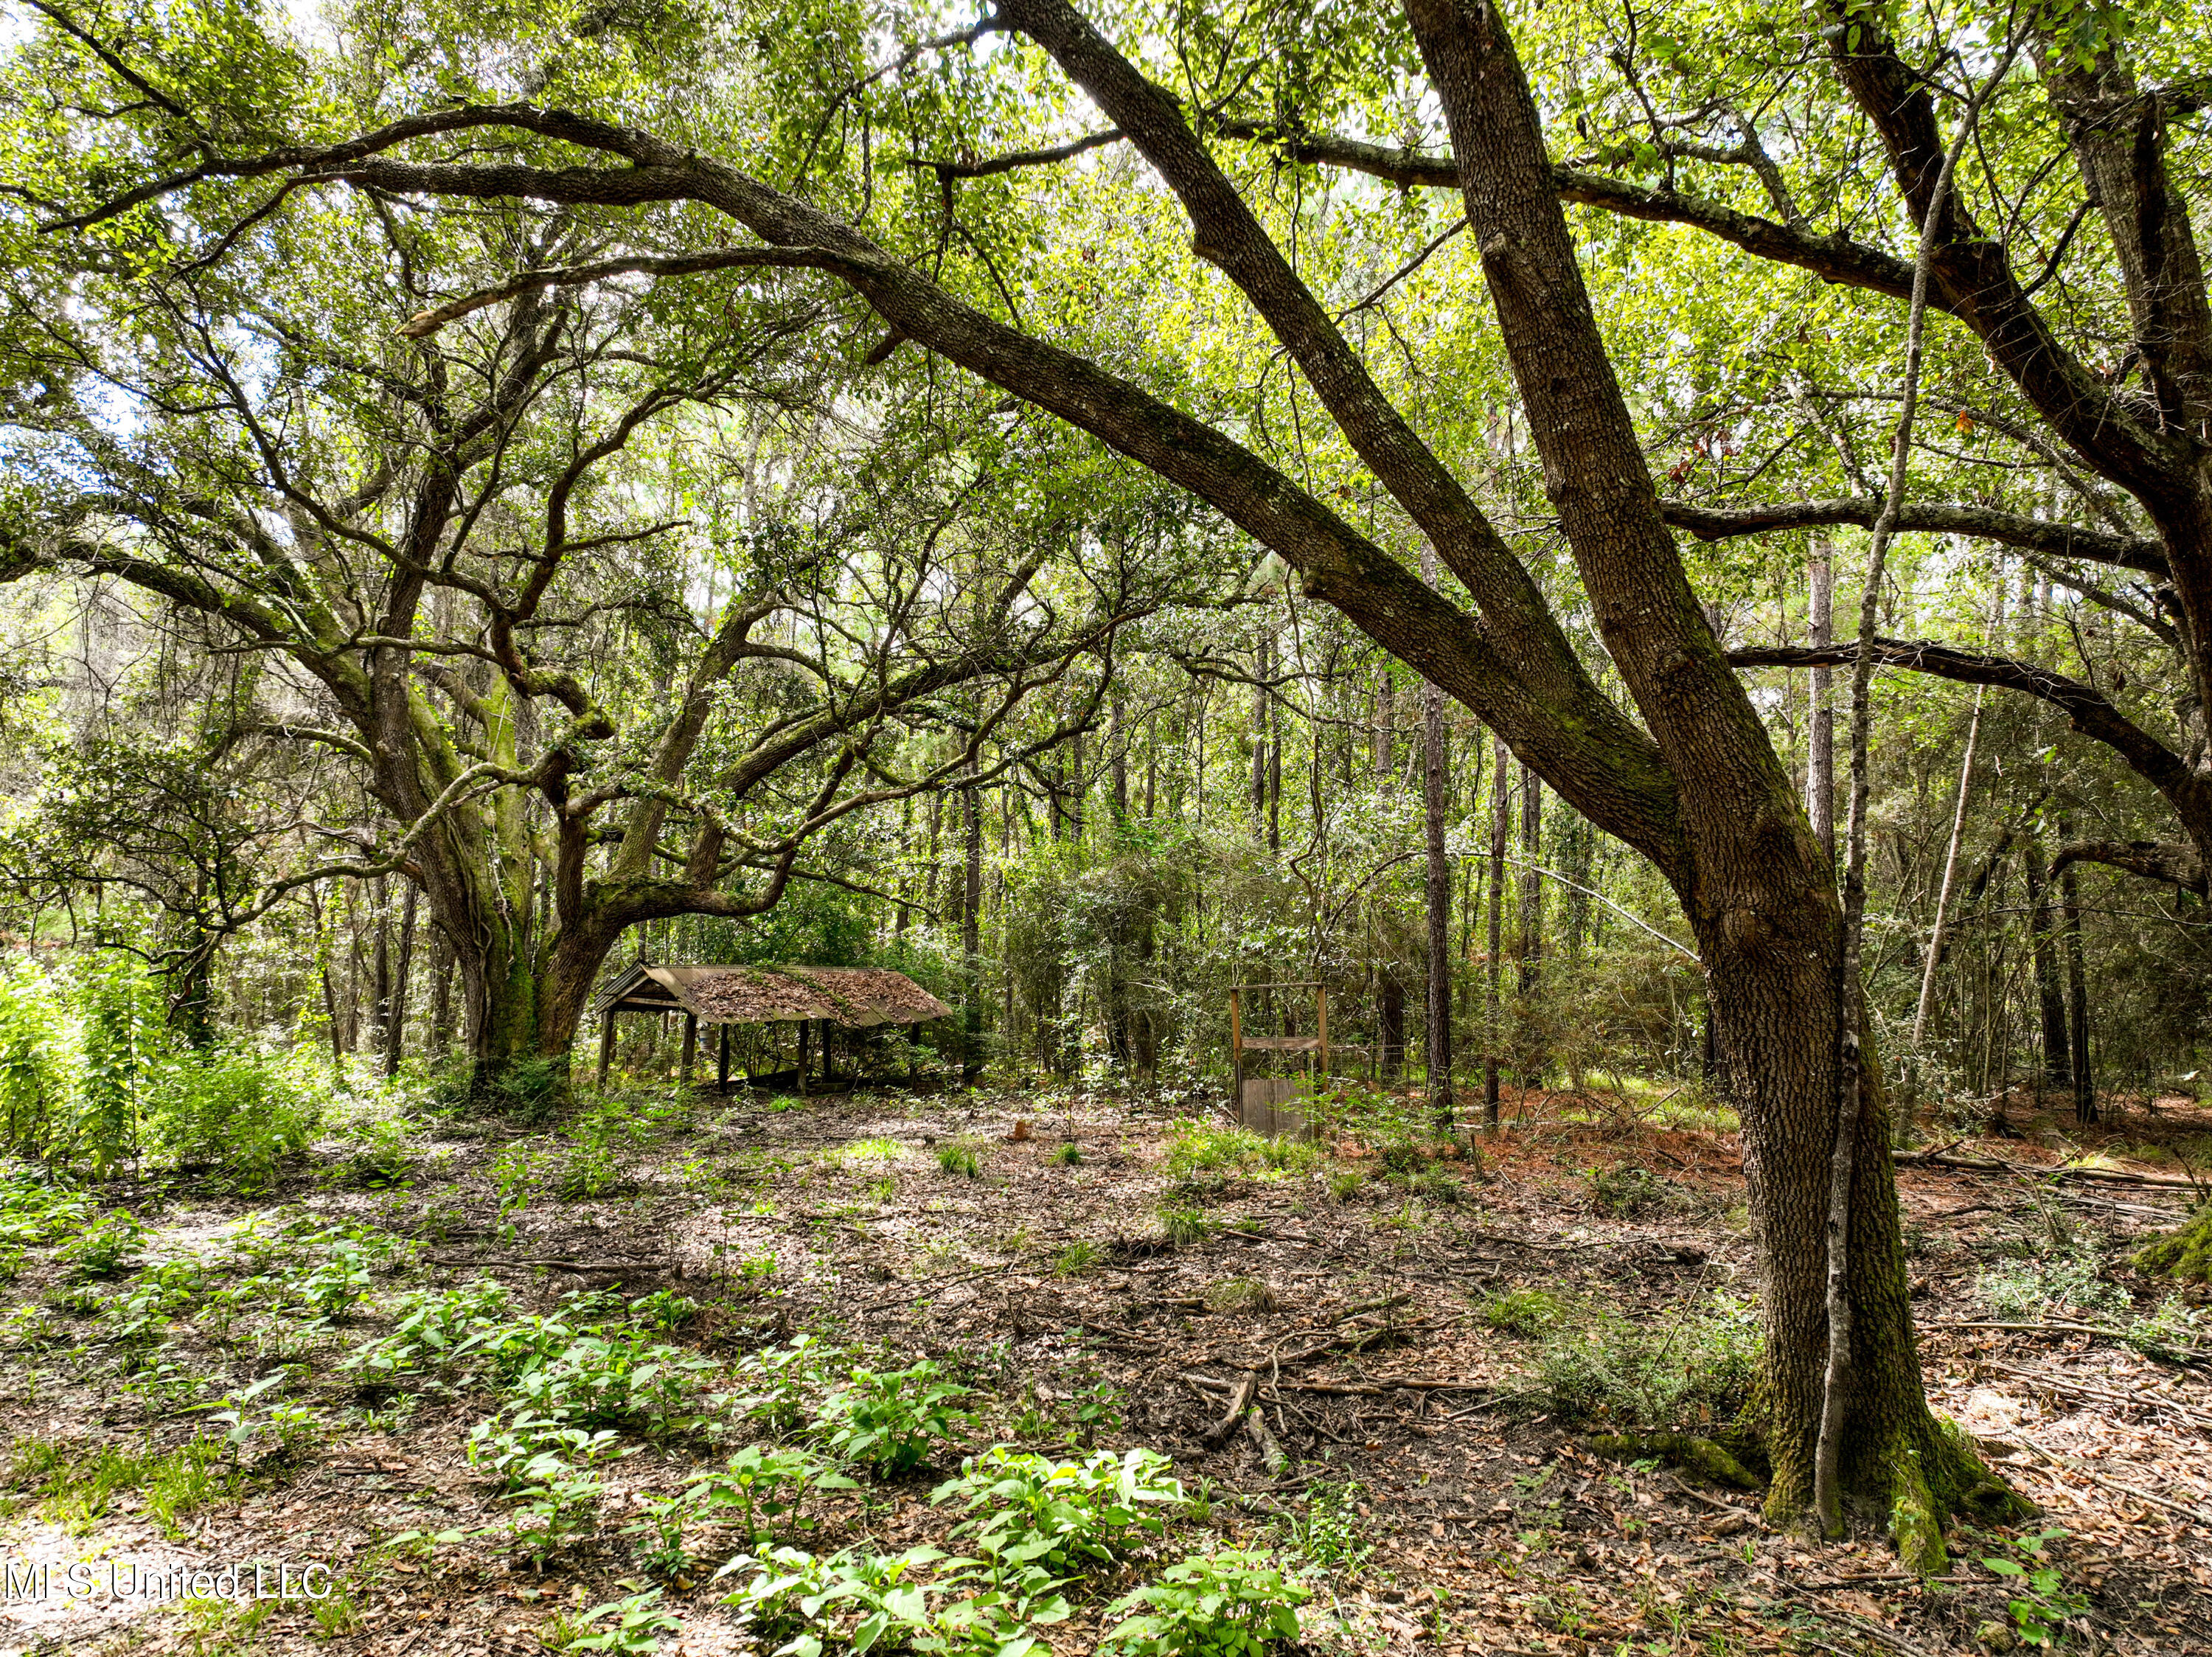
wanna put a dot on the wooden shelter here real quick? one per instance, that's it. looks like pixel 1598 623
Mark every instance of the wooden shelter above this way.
pixel 849 997
pixel 1265 1102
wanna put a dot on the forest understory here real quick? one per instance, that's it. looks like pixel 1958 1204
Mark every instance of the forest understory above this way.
pixel 475 1373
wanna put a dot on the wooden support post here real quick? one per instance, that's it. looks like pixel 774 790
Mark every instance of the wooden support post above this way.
pixel 606 1044
pixel 722 1063
pixel 1236 1052
pixel 691 1049
pixel 805 1026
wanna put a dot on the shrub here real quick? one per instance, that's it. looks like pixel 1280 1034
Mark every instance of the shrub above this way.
pixel 1231 1602
pixel 34 1074
pixel 1061 1515
pixel 1699 1366
pixel 233 1109
pixel 432 1330
pixel 777 1382
pixel 2029 1289
pixel 101 1249
pixel 631 1627
pixel 761 1485
pixel 1327 1531
pixel 890 1421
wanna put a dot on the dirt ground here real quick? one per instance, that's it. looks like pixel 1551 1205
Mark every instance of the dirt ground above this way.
pixel 1048 1281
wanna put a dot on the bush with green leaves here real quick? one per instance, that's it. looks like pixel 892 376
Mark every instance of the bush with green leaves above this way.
pixel 797 1602
pixel 36 1085
pixel 2039 1611
pixel 1326 1531
pixel 1201 1156
pixel 608 1377
pixel 1061 1515
pixel 889 1420
pixel 2069 1281
pixel 1229 1603
pixel 774 1386
pixel 281 1429
pixel 630 1627
pixel 1695 1367
pixel 102 1248
pixel 433 1329
pixel 762 1488
pixel 234 1109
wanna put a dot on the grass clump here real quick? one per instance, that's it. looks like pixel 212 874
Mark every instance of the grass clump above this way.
pixel 1525 1312
pixel 1240 1295
pixel 959 1158
pixel 1078 1259
pixel 1203 1157
pixel 1184 1226
pixel 1069 1155
pixel 76 1482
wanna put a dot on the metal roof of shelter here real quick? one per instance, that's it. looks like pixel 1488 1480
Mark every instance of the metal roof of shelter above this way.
pixel 853 996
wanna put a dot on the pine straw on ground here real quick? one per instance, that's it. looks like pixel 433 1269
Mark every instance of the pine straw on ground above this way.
pixel 1492 1531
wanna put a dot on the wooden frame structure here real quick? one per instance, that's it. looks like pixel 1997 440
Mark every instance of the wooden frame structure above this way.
pixel 1263 1103
pixel 847 997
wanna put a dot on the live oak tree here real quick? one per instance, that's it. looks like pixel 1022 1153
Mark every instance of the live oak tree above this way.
pixel 617 611
pixel 802 141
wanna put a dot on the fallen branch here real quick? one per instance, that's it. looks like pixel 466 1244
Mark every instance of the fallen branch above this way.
pixel 2030 1171
pixel 1239 1401
pixel 1271 1451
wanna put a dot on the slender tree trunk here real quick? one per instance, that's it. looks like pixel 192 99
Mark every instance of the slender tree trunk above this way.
pixel 2057 1069
pixel 971 938
pixel 1438 891
pixel 395 1022
pixel 2078 992
pixel 1501 805
pixel 1534 1059
pixel 442 993
pixel 1820 746
pixel 1118 739
pixel 1386 725
pixel 1909 1112
pixel 1262 665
